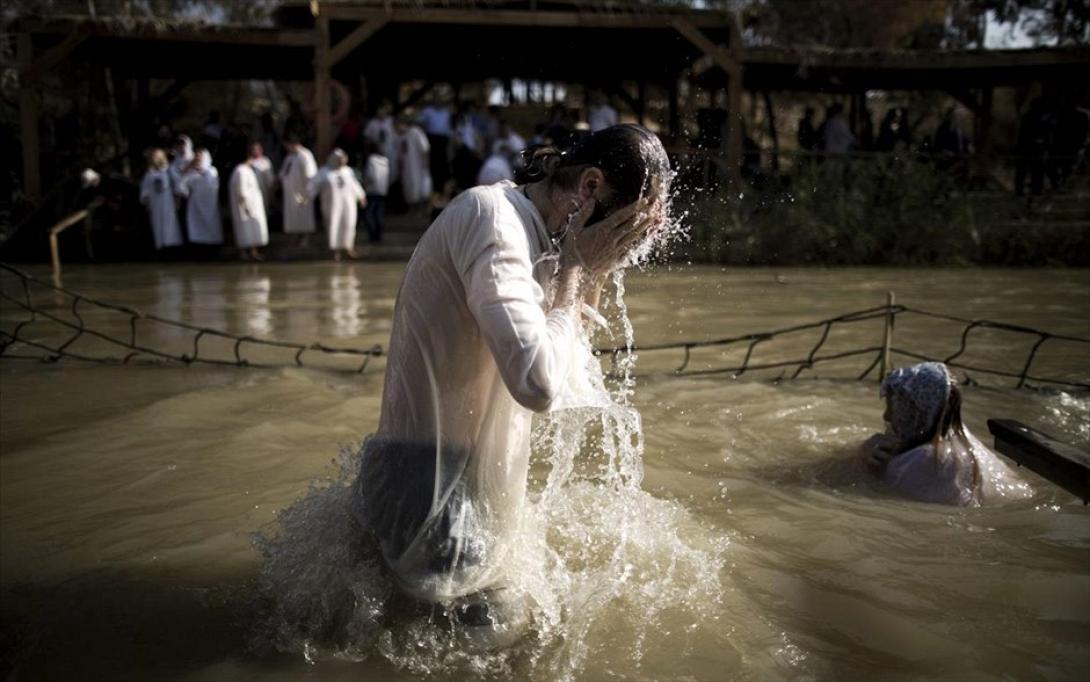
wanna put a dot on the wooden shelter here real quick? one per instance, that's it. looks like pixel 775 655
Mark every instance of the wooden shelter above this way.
pixel 594 44
pixel 395 43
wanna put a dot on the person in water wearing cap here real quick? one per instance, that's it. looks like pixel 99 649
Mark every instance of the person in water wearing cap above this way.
pixel 926 452
pixel 484 335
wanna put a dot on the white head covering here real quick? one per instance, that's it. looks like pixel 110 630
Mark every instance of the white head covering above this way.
pixel 187 148
pixel 336 159
pixel 923 390
pixel 204 161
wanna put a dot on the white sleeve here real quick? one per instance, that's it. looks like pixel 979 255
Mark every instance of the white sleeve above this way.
pixel 532 349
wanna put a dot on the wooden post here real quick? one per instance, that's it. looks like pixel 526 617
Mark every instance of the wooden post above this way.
pixel 324 114
pixel 772 131
pixel 55 256
pixel 982 132
pixel 675 108
pixel 734 128
pixel 28 121
pixel 887 336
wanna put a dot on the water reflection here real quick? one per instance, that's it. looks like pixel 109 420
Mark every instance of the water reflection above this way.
pixel 252 293
pixel 347 304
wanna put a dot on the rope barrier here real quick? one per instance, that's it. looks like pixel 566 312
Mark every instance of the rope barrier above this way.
pixel 131 345
pixel 137 352
pixel 890 312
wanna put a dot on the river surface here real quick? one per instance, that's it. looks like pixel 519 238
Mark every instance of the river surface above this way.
pixel 755 546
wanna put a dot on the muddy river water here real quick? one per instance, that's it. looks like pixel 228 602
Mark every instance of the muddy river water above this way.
pixel 745 540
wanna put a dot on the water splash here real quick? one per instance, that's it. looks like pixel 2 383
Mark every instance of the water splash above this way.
pixel 598 557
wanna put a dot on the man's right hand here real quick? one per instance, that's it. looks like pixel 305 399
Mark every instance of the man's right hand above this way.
pixel 601 247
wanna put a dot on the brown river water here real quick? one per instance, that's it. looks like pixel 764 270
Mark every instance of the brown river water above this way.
pixel 744 541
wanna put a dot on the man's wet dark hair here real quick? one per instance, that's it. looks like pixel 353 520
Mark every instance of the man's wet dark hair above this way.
pixel 630 157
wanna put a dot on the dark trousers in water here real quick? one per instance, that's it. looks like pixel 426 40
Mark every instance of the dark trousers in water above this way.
pixel 372 217
pixel 393 498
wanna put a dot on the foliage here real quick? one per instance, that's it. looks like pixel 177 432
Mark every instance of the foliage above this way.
pixel 885 210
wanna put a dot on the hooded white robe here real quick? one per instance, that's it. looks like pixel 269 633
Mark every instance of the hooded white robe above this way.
pixel 415 173
pixel 248 208
pixel 295 175
pixel 341 193
pixel 156 194
pixel 380 130
pixel 202 216
pixel 179 163
pixel 473 354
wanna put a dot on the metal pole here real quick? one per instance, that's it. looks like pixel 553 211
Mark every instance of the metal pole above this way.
pixel 887 336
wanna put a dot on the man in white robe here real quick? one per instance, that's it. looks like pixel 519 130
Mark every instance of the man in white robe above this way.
pixel 477 347
pixel 156 193
pixel 415 163
pixel 262 167
pixel 296 174
pixel 341 194
pixel 182 158
pixel 201 186
pixel 248 211
pixel 381 131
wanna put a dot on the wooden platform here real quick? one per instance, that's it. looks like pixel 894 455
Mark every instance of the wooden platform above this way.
pixel 1063 464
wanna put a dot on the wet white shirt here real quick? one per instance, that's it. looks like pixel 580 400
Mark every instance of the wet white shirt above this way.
pixel 473 354
pixel 953 478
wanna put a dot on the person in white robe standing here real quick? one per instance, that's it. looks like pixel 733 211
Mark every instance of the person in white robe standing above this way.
pixel 296 173
pixel 248 210
pixel 341 193
pixel 416 181
pixel 262 167
pixel 156 193
pixel 182 158
pixel 201 186
pixel 381 131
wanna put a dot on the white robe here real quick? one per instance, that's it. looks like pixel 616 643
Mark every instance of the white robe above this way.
pixel 248 208
pixel 951 479
pixel 473 353
pixel 415 173
pixel 178 165
pixel 156 194
pixel 341 193
pixel 381 132
pixel 266 178
pixel 202 216
pixel 295 175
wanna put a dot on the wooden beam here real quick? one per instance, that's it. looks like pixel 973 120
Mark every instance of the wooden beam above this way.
pixel 53 56
pixel 323 122
pixel 357 37
pixel 204 34
pixel 414 97
pixel 28 122
pixel 533 18
pixel 723 57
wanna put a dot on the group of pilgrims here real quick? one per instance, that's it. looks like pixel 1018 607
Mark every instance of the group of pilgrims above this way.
pixel 418 161
pixel 185 190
